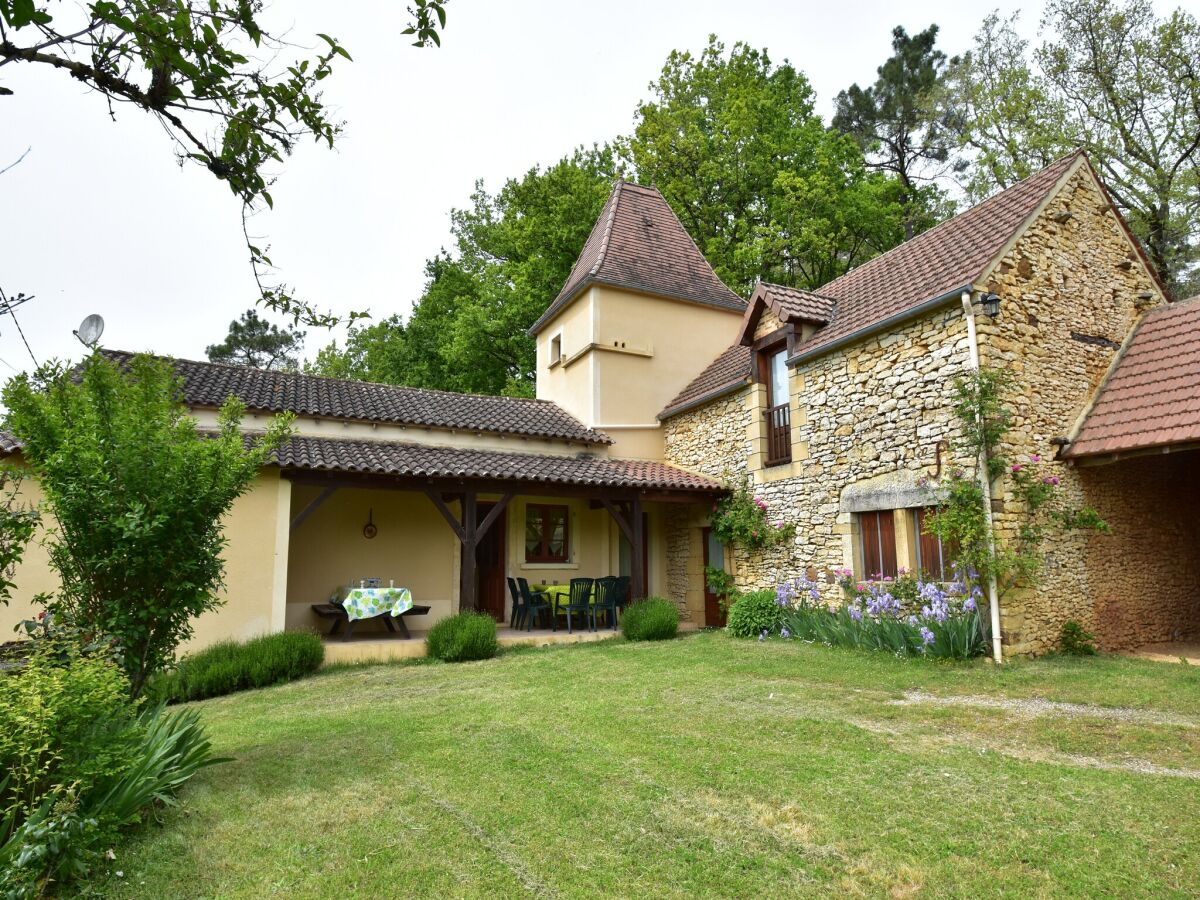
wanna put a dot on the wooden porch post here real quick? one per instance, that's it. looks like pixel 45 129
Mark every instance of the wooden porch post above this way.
pixel 629 520
pixel 637 587
pixel 466 571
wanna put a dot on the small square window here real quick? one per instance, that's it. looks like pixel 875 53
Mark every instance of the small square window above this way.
pixel 556 349
pixel 547 533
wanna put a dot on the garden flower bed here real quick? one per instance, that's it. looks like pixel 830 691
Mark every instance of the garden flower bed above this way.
pixel 906 616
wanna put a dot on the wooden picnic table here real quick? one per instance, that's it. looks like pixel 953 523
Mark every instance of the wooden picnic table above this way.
pixel 339 616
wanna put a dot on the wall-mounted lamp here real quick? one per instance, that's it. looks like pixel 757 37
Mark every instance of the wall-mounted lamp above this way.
pixel 991 304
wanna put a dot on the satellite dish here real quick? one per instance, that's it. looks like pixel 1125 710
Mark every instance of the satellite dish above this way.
pixel 90 330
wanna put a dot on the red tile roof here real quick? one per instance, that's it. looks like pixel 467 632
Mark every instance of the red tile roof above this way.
pixel 639 243
pixel 1151 397
pixel 946 258
pixel 423 461
pixel 794 305
pixel 313 454
pixel 210 384
pixel 728 372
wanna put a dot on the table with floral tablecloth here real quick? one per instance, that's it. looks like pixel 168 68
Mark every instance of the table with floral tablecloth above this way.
pixel 366 603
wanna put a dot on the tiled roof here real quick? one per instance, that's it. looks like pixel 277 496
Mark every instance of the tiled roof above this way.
pixel 9 443
pixel 1152 395
pixel 639 243
pixel 210 384
pixel 423 461
pixel 795 305
pixel 946 258
pixel 726 373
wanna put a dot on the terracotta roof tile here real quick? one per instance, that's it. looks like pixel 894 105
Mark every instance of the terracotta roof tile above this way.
pixel 726 373
pixel 639 243
pixel 1152 395
pixel 794 305
pixel 941 260
pixel 423 461
pixel 210 384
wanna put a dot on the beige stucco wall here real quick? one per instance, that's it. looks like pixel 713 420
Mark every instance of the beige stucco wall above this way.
pixel 625 356
pixel 254 560
pixel 414 547
pixel 34 575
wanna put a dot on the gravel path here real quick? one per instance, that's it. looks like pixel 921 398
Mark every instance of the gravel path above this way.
pixel 1038 707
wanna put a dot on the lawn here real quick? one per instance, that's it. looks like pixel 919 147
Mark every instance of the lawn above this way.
pixel 704 766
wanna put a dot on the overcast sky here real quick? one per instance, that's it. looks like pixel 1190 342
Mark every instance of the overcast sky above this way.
pixel 100 218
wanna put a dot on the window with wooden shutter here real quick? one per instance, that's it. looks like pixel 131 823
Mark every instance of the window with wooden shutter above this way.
pixel 877 533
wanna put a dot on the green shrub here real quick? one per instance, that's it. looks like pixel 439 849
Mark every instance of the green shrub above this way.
pixel 752 614
pixel 62 723
pixel 230 666
pixel 80 764
pixel 1073 640
pixel 652 619
pixel 462 638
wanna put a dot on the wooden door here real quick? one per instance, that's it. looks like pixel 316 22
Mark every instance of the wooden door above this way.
pixel 489 565
pixel 625 562
pixel 714 555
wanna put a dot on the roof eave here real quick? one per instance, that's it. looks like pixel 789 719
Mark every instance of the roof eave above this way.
pixel 904 315
pixel 714 394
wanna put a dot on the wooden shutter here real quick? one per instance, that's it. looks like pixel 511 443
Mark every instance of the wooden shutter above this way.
pixel 931 560
pixel 887 541
pixel 878 532
pixel 868 527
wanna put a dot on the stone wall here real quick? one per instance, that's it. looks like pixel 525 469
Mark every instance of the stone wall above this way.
pixel 875 419
pixel 1070 289
pixel 1143 577
pixel 873 422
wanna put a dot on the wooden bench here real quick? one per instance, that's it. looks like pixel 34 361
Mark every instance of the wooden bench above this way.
pixel 335 612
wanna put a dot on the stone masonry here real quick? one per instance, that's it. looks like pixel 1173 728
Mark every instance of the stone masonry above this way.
pixel 873 421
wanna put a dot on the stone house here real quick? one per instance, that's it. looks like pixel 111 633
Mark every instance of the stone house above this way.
pixel 657 386
pixel 837 406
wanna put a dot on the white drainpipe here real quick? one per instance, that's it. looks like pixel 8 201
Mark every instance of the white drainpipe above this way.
pixel 986 486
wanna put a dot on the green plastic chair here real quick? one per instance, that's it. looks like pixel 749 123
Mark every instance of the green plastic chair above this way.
pixel 578 600
pixel 608 598
pixel 532 603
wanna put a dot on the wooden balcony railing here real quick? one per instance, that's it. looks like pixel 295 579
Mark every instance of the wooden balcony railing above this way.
pixel 779 434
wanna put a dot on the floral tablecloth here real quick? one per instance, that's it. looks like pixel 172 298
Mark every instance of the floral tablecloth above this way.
pixel 364 603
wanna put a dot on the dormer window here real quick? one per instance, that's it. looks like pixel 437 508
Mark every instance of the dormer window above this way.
pixel 772 369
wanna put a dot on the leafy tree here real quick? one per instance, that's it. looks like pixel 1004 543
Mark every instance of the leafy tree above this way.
pixel 1000 110
pixel 209 73
pixel 137 494
pixel 898 122
pixel 17 525
pixel 514 251
pixel 736 147
pixel 1115 80
pixel 253 341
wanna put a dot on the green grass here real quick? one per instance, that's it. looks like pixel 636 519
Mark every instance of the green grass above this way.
pixel 704 766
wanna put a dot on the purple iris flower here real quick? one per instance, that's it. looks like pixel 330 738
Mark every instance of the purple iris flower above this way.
pixel 927 636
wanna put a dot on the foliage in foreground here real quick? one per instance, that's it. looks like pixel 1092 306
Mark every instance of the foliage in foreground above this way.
pixel 211 74
pixel 463 637
pixel 652 619
pixel 137 493
pixel 230 666
pixel 80 764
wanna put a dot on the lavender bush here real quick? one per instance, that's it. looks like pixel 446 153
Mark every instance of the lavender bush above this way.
pixel 905 616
